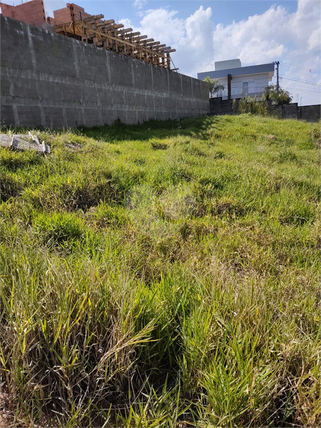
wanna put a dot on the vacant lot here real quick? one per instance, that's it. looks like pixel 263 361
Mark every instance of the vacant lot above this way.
pixel 166 274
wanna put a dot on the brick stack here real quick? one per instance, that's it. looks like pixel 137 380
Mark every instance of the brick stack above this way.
pixel 70 13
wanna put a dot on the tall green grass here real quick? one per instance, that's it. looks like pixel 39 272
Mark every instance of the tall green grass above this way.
pixel 165 274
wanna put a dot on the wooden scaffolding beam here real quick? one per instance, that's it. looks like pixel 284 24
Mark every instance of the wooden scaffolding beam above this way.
pixel 111 36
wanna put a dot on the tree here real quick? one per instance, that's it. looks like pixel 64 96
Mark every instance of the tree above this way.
pixel 214 85
pixel 276 95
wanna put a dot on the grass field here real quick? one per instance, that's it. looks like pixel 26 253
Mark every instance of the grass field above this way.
pixel 164 274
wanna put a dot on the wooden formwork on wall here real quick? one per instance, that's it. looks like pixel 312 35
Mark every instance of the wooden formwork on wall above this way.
pixel 111 36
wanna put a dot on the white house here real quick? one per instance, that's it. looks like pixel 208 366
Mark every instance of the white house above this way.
pixel 239 81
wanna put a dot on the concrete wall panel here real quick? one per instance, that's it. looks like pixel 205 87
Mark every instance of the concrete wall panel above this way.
pixel 187 86
pixel 160 80
pixel 59 82
pixel 141 73
pixel 175 85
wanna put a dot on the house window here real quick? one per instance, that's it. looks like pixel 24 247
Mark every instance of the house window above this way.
pixel 245 88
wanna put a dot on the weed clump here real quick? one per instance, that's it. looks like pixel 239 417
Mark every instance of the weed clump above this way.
pixel 10 186
pixel 58 229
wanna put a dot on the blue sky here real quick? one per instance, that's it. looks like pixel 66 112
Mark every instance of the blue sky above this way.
pixel 202 32
pixel 226 10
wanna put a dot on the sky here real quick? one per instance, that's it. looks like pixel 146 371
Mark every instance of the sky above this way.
pixel 202 32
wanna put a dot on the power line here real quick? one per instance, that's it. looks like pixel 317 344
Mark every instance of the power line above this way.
pixel 306 87
pixel 295 66
pixel 301 81
pixel 306 90
pixel 300 87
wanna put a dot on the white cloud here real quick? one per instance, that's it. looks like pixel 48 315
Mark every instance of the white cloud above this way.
pixel 314 41
pixel 51 5
pixel 139 4
pixel 126 23
pixel 162 25
pixel 306 20
pixel 189 37
pixel 259 39
pixel 275 35
pixel 195 49
pixel 199 43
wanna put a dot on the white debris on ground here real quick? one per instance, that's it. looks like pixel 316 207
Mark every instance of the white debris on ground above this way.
pixel 24 142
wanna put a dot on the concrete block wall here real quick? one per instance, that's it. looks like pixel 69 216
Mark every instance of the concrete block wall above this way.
pixel 310 113
pixel 287 111
pixel 58 82
pixel 219 106
pixel 32 12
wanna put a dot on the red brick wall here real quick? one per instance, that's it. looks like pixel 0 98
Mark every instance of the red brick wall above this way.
pixel 70 13
pixel 32 12
pixel 51 20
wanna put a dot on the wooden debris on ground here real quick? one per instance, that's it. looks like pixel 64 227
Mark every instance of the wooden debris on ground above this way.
pixel 114 37
pixel 73 146
pixel 271 137
pixel 24 142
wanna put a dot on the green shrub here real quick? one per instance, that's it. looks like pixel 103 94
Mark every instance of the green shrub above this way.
pixel 251 105
pixel 277 96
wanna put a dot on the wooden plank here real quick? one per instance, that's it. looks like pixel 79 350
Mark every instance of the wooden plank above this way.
pixel 153 44
pixel 148 40
pixel 138 38
pixel 90 18
pixel 106 21
pixel 6 141
pixel 24 142
pixel 131 35
pixel 126 30
pixel 116 26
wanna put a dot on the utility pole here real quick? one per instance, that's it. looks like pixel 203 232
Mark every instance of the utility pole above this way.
pixel 277 75
pixel 229 87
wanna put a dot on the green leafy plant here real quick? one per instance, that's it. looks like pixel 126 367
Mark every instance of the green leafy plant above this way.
pixel 253 106
pixel 277 96
pixel 214 85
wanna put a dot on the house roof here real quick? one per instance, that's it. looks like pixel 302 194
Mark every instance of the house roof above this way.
pixel 239 71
